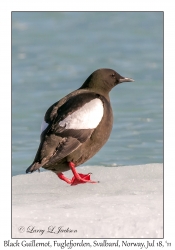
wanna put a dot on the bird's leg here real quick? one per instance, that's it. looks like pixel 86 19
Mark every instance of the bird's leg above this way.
pixel 79 178
pixel 74 181
pixel 64 178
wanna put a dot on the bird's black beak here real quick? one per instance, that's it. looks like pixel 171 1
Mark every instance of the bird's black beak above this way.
pixel 125 79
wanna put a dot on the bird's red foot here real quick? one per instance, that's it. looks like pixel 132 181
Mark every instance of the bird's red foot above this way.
pixel 78 178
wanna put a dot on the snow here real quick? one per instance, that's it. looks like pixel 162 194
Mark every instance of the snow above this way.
pixel 127 203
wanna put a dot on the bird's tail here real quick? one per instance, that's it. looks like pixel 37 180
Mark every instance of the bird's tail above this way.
pixel 33 167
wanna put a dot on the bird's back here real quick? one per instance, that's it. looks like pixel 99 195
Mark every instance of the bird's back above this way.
pixel 91 146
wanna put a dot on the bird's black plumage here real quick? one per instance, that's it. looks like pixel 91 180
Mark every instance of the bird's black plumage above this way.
pixel 61 142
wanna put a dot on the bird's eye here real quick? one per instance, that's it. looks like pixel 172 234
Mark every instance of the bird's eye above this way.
pixel 113 75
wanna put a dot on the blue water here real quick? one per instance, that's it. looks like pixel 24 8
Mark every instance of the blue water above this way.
pixel 54 52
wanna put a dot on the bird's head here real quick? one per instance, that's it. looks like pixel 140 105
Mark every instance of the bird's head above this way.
pixel 103 80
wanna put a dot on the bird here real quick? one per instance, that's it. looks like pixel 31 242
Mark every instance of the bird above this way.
pixel 76 127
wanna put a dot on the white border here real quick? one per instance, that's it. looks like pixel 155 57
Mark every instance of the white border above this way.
pixel 5 93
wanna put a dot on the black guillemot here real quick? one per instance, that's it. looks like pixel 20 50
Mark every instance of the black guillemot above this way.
pixel 76 127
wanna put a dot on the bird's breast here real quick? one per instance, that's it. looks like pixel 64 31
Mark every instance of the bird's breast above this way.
pixel 97 139
pixel 103 130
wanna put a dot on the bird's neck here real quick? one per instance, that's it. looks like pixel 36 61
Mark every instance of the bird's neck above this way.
pixel 97 91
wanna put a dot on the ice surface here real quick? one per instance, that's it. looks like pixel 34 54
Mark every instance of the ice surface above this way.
pixel 127 203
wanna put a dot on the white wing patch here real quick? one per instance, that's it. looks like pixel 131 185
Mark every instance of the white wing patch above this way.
pixel 87 117
pixel 44 125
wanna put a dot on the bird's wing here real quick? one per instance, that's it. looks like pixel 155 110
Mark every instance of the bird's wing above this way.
pixel 66 127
